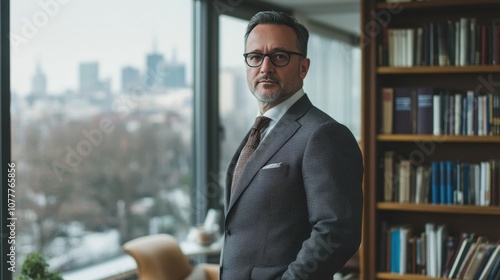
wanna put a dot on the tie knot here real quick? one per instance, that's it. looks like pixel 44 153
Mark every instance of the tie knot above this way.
pixel 260 123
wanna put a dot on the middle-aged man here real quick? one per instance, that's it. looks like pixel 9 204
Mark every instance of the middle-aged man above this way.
pixel 293 198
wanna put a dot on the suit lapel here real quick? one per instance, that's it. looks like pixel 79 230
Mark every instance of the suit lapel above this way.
pixel 281 133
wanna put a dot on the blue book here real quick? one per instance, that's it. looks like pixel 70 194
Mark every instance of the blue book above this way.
pixel 449 182
pixel 495 271
pixel 443 185
pixel 435 182
pixel 466 183
pixel 395 250
pixel 424 110
pixel 402 117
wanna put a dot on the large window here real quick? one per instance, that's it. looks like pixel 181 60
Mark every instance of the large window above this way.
pixel 334 80
pixel 101 124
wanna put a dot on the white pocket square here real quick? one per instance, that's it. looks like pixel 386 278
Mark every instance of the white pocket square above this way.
pixel 273 165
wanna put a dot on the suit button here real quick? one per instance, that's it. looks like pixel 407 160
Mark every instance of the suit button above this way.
pixel 228 232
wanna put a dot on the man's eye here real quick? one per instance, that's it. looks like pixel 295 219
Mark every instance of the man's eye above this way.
pixel 254 57
pixel 279 56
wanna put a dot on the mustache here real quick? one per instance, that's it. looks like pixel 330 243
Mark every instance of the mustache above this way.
pixel 267 78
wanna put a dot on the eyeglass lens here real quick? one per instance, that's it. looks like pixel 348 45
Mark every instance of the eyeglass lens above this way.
pixel 277 58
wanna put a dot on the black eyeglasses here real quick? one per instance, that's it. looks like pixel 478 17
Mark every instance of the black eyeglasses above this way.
pixel 278 58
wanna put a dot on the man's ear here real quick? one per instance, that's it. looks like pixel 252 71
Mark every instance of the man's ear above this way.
pixel 304 67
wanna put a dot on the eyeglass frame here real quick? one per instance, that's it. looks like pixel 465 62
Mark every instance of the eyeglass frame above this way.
pixel 263 55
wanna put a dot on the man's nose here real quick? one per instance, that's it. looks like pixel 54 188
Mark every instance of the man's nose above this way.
pixel 267 66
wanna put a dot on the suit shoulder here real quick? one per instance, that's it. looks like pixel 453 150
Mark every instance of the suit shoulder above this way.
pixel 316 117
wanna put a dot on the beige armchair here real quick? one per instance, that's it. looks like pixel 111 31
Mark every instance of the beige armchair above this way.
pixel 159 257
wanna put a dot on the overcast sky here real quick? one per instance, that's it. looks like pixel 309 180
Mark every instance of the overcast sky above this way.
pixel 64 33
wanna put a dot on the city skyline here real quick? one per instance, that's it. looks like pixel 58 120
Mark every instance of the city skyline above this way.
pixel 80 32
pixel 115 33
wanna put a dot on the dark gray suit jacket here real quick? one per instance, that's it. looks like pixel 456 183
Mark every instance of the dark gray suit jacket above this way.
pixel 296 210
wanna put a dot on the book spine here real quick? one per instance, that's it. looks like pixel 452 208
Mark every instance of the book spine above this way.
pixel 458 114
pixel 387 110
pixel 435 175
pixel 424 111
pixel 449 182
pixel 470 112
pixel 443 184
pixel 436 114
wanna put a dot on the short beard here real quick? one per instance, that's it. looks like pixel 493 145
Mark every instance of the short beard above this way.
pixel 272 98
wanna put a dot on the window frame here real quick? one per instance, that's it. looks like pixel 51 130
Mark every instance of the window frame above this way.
pixel 5 131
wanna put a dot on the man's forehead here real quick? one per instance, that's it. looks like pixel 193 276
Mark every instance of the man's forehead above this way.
pixel 273 36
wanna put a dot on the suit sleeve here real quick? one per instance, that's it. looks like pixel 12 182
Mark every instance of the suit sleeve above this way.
pixel 332 172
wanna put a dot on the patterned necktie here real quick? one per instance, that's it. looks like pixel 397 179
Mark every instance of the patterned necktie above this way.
pixel 252 143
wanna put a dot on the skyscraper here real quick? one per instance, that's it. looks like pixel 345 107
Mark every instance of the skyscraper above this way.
pixel 39 82
pixel 154 70
pixel 89 78
pixel 130 78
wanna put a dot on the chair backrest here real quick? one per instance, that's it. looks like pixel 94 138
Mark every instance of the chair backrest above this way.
pixel 158 257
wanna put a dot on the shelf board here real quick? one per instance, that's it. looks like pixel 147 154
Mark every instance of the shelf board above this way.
pixel 438 69
pixel 438 4
pixel 449 209
pixel 395 276
pixel 437 138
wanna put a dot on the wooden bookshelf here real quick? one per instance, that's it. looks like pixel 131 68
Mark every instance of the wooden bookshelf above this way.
pixel 438 69
pixel 394 276
pixel 433 208
pixel 436 4
pixel 437 138
pixel 460 218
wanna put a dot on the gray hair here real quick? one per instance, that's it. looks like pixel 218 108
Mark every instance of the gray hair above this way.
pixel 272 17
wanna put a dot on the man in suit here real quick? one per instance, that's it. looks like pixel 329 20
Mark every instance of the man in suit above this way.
pixel 293 210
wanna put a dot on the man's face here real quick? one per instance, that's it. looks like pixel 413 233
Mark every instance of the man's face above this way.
pixel 272 84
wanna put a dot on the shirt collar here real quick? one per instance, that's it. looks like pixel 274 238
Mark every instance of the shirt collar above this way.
pixel 276 112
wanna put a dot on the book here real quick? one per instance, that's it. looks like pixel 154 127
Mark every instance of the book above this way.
pixel 403 247
pixel 458 189
pixel 424 110
pixel 489 250
pixel 449 182
pixel 459 258
pixel 382 266
pixel 442 38
pixel 457 114
pixel 443 182
pixel 402 110
pixel 387 110
pixel 470 99
pixel 436 115
pixel 491 261
pixel 412 255
pixel 423 254
pixel 404 181
pixel 441 237
pixel 466 182
pixel 395 242
pixel 473 259
pixel 451 246
pixel 495 270
pixel 420 184
pixel 430 234
pixel 435 182
pixel 389 157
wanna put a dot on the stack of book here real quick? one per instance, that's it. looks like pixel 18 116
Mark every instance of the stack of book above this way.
pixel 435 253
pixel 441 182
pixel 423 110
pixel 456 43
